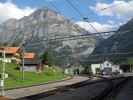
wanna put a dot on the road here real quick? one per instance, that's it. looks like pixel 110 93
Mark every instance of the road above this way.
pixel 118 89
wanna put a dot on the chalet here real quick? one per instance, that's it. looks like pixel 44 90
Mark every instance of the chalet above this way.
pixel 106 65
pixel 30 62
pixel 10 52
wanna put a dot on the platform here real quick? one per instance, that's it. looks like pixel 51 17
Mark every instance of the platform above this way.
pixel 23 92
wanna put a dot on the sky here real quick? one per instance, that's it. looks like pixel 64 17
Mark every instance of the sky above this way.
pixel 104 15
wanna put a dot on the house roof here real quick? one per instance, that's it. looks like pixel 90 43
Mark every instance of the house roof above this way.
pixel 9 50
pixel 30 55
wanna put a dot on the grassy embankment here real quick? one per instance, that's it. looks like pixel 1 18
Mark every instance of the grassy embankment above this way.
pixel 14 79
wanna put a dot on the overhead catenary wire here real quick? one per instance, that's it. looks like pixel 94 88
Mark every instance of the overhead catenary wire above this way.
pixel 55 7
pixel 87 14
pixel 59 11
pixel 68 37
pixel 75 37
pixel 77 9
pixel 80 14
pixel 110 54
pixel 72 37
pixel 72 5
pixel 107 54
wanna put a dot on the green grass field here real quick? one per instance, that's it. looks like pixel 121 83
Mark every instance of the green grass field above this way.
pixel 14 79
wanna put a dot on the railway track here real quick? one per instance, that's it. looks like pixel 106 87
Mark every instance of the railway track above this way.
pixel 101 90
pixel 111 91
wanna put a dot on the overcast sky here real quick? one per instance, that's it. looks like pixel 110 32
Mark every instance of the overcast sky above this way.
pixel 119 11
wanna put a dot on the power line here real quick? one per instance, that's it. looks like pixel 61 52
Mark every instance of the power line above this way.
pixel 118 54
pixel 111 54
pixel 107 54
pixel 81 15
pixel 55 7
pixel 85 3
pixel 73 37
pixel 86 18
pixel 71 4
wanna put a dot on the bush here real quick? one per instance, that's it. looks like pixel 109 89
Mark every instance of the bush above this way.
pixel 49 71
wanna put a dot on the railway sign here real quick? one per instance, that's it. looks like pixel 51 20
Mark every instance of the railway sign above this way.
pixel 5 75
pixel 1 83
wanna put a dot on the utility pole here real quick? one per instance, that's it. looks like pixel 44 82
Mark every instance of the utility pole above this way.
pixel 3 75
pixel 23 53
pixel 23 61
pixel 48 41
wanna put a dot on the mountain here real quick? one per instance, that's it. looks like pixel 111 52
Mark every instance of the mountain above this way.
pixel 45 24
pixel 120 42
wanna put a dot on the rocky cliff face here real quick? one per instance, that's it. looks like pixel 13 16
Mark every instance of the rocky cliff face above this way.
pixel 120 42
pixel 45 24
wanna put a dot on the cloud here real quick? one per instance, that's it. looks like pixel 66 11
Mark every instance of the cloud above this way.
pixel 10 10
pixel 100 27
pixel 118 8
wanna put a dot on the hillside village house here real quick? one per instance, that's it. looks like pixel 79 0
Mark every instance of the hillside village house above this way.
pixel 105 65
pixel 11 53
pixel 14 54
pixel 30 62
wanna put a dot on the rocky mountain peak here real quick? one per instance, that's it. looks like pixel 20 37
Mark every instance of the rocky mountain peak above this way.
pixel 45 23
